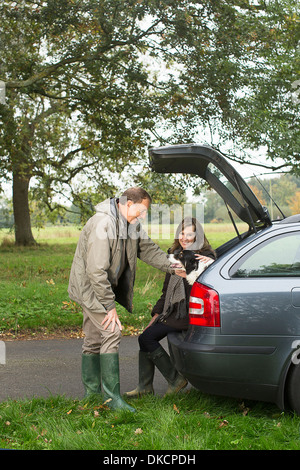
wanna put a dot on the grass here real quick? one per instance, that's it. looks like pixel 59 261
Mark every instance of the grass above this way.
pixel 33 297
pixel 189 421
pixel 33 288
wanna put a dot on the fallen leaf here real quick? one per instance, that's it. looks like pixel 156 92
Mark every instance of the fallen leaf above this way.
pixel 175 408
pixel 223 423
pixel 245 409
pixel 138 431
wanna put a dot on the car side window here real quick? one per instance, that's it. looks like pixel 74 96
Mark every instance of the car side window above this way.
pixel 277 257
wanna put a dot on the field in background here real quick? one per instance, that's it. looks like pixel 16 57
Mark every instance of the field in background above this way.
pixel 159 233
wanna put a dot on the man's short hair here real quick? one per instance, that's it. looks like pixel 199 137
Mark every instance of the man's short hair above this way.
pixel 136 195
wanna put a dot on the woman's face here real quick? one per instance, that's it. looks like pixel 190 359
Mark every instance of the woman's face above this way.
pixel 187 237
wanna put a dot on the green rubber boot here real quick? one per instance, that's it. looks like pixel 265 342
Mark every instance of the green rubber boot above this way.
pixel 146 375
pixel 161 359
pixel 90 374
pixel 109 364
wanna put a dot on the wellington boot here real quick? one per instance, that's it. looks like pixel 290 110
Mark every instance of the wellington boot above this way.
pixel 90 374
pixel 176 381
pixel 111 382
pixel 179 384
pixel 146 374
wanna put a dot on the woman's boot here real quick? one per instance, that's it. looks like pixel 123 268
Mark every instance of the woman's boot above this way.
pixel 90 374
pixel 163 362
pixel 146 374
pixel 109 364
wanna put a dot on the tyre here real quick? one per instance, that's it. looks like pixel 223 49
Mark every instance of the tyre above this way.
pixel 293 389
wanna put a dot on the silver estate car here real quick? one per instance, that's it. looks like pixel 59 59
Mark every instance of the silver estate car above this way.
pixel 244 310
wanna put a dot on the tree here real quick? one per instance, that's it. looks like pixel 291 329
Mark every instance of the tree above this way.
pixel 77 97
pixel 82 104
pixel 294 203
pixel 242 77
pixel 266 112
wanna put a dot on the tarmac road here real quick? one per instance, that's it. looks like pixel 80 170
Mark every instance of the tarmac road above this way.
pixel 40 368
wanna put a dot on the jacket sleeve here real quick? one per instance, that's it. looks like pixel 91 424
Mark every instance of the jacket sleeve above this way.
pixel 98 263
pixel 152 254
pixel 158 307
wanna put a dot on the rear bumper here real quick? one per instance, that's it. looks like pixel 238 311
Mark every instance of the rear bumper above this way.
pixel 228 370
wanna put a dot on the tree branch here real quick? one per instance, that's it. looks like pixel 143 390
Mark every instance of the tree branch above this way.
pixel 243 162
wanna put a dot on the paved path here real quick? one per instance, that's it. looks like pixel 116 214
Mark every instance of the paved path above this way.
pixel 52 367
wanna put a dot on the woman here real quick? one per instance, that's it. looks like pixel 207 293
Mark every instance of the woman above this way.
pixel 170 314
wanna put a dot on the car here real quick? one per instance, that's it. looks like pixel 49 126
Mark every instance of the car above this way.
pixel 244 310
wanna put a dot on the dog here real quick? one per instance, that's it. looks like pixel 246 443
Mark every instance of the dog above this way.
pixel 187 260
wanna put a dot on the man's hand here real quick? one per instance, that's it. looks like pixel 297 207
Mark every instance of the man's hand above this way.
pixel 113 319
pixel 180 272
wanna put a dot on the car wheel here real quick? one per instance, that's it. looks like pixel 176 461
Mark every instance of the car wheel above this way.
pixel 293 389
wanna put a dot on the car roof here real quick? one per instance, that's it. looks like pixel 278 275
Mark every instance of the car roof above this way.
pixel 211 165
pixel 292 219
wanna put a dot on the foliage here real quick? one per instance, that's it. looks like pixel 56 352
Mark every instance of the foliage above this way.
pixel 266 110
pixel 79 98
pixel 239 77
pixel 90 85
pixel 281 192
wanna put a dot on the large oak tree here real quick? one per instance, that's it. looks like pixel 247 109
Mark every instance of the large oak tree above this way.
pixel 91 83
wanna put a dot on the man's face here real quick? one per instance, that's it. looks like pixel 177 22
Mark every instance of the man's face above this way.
pixel 135 211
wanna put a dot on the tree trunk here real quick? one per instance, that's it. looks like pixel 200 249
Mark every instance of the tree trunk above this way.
pixel 23 233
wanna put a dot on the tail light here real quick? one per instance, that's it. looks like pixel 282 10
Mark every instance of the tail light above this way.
pixel 204 307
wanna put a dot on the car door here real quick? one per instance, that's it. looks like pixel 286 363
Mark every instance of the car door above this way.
pixel 262 292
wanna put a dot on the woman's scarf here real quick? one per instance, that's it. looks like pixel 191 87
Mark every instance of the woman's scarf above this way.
pixel 175 299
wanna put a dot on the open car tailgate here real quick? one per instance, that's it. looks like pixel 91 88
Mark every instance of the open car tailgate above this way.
pixel 212 166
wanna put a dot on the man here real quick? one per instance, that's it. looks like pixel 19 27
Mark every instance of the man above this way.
pixel 102 273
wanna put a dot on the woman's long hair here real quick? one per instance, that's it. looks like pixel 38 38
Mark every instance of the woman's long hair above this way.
pixel 200 243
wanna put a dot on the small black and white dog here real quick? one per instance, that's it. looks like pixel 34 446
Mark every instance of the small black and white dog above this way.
pixel 187 260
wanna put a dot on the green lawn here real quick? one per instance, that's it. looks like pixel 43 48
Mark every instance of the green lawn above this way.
pixel 33 296
pixel 33 283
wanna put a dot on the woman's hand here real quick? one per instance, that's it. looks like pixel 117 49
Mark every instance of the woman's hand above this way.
pixel 204 259
pixel 152 320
